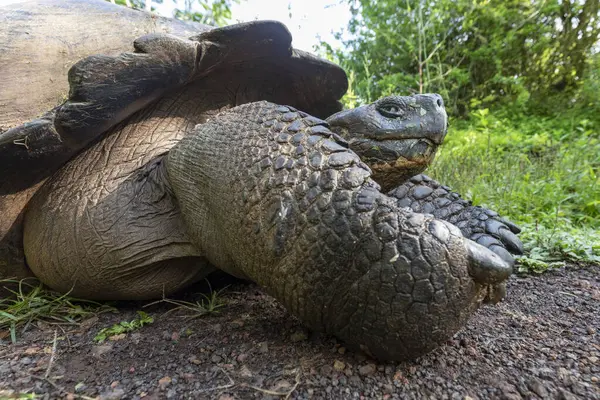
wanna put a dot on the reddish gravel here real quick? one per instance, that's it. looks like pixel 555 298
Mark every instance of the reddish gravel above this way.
pixel 542 342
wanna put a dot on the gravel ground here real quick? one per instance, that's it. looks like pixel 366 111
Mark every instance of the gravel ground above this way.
pixel 541 342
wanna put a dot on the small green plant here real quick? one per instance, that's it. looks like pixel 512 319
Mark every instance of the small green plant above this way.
pixel 31 302
pixel 124 327
pixel 533 265
pixel 547 248
pixel 208 304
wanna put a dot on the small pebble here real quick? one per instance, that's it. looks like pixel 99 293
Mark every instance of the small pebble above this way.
pixel 368 369
pixel 237 323
pixel 339 365
pixel 263 347
pixel 164 382
pixel 591 330
pixel 245 371
pixel 298 337
pixel 115 394
pixel 26 360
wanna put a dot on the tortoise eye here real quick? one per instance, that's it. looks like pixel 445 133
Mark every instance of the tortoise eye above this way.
pixel 391 111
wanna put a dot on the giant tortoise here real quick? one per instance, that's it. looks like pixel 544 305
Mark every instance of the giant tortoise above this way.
pixel 229 150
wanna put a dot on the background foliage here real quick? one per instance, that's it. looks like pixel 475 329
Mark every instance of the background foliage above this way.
pixel 474 53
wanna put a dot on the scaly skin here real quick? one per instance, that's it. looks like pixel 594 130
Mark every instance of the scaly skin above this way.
pixel 425 195
pixel 269 194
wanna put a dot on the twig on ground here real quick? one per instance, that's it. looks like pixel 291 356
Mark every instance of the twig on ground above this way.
pixel 568 294
pixel 65 335
pixel 221 387
pixel 276 393
pixel 293 387
pixel 48 381
pixel 54 345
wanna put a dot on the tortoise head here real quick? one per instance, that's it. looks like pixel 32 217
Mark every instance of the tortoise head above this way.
pixel 397 136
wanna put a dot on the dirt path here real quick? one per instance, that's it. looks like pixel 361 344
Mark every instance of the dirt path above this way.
pixel 542 342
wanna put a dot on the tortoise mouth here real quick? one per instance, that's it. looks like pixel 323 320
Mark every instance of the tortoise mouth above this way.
pixel 393 161
pixel 415 150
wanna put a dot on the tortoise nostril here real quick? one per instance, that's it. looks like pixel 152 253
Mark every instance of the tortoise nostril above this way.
pixel 439 102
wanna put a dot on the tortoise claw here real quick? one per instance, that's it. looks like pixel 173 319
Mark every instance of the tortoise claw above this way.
pixel 485 266
pixel 511 241
pixel 499 228
pixel 495 245
pixel 512 226
pixel 504 254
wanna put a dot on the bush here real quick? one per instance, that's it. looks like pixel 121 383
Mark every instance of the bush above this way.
pixel 541 172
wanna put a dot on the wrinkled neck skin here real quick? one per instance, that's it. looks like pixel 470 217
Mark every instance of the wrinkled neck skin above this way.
pixel 390 167
pixel 268 193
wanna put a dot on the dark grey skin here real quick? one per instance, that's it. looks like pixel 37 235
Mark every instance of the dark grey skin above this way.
pixel 192 78
pixel 166 183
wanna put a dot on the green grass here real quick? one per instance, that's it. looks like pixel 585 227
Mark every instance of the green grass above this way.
pixel 31 302
pixel 124 327
pixel 210 303
pixel 542 173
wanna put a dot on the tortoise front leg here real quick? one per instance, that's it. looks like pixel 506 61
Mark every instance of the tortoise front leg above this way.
pixel 270 194
pixel 425 195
